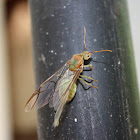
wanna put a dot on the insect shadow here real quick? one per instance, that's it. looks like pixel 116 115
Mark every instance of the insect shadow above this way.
pixel 83 85
pixel 86 62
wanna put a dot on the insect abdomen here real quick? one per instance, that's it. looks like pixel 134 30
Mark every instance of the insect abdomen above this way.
pixel 72 92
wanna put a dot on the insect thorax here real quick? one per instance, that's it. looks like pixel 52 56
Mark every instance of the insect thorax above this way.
pixel 75 62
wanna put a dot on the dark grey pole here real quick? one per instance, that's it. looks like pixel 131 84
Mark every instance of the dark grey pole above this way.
pixel 110 113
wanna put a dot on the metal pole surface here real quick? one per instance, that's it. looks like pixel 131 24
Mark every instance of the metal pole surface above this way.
pixel 110 113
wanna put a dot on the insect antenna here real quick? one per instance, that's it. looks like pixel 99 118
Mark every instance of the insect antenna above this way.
pixel 92 51
pixel 101 51
pixel 85 38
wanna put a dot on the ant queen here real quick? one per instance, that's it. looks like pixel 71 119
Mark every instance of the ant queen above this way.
pixel 61 87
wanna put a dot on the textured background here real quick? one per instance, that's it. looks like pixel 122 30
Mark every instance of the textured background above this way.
pixel 18 71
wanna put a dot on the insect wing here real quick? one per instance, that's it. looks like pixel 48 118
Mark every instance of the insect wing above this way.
pixel 62 86
pixel 62 92
pixel 60 109
pixel 45 93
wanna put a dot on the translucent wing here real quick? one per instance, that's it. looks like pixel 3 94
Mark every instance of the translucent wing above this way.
pixel 62 92
pixel 45 93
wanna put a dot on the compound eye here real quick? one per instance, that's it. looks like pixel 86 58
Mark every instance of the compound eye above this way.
pixel 88 55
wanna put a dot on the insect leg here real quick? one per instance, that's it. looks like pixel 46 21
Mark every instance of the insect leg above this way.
pixel 88 78
pixel 87 83
pixel 88 66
